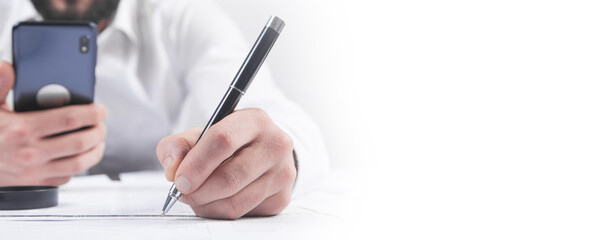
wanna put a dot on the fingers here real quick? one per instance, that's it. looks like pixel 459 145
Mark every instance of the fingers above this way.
pixel 254 195
pixel 218 144
pixel 57 172
pixel 71 166
pixel 6 80
pixel 172 149
pixel 73 143
pixel 242 165
pixel 62 146
pixel 64 119
pixel 236 206
pixel 231 177
pixel 273 205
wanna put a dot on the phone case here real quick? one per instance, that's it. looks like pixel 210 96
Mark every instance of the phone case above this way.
pixel 54 64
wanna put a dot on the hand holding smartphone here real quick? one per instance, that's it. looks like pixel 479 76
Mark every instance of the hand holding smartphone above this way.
pixel 55 131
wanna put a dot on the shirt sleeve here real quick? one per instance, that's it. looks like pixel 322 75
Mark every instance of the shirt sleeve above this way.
pixel 209 49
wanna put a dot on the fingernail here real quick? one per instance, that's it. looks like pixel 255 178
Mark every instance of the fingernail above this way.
pixel 167 162
pixel 182 184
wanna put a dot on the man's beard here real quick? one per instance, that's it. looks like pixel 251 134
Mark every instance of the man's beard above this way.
pixel 96 12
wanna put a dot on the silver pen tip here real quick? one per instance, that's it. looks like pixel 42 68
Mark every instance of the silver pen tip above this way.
pixel 168 204
pixel 163 213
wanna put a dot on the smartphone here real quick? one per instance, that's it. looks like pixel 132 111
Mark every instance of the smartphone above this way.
pixel 54 64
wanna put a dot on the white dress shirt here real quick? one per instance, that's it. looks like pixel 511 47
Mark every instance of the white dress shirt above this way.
pixel 162 68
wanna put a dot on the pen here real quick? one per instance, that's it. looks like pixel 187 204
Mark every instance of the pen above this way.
pixel 238 87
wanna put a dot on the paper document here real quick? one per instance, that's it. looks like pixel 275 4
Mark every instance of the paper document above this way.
pixel 94 207
pixel 135 196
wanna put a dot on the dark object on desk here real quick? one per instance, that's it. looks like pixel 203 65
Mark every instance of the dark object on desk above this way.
pixel 238 87
pixel 28 197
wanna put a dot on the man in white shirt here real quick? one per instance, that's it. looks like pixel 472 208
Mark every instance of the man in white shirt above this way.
pixel 162 68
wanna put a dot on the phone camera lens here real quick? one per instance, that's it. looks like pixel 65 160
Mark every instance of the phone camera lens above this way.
pixel 84 44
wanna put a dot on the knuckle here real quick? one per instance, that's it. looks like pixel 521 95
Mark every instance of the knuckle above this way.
pixel 283 142
pixel 177 147
pixel 223 140
pixel 287 176
pixel 69 120
pixel 230 182
pixel 233 209
pixel 182 152
pixel 79 145
pixel 261 116
pixel 27 156
pixel 18 132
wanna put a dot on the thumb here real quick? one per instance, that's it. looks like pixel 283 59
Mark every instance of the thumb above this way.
pixel 171 150
pixel 6 80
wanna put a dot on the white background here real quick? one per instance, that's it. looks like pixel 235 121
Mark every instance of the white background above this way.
pixel 460 119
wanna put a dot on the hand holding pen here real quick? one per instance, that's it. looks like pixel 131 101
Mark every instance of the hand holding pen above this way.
pixel 242 163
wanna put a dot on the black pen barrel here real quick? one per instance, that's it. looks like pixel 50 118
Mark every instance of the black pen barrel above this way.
pixel 258 54
pixel 226 107
pixel 247 72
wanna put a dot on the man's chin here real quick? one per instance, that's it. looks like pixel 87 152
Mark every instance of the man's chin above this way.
pixel 97 11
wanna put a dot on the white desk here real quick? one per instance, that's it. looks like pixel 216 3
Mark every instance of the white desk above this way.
pixel 94 207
